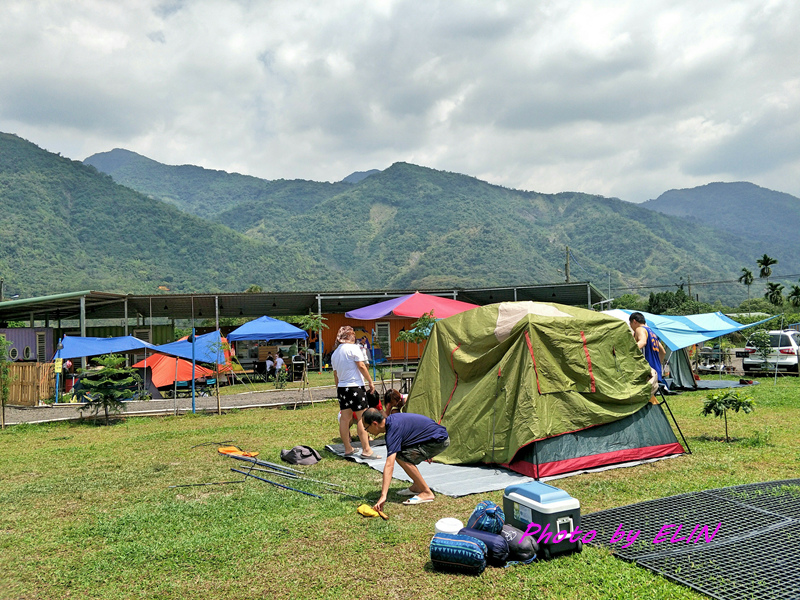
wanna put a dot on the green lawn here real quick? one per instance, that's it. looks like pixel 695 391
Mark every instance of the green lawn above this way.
pixel 86 511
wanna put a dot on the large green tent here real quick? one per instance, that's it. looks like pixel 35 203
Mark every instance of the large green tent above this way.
pixel 542 388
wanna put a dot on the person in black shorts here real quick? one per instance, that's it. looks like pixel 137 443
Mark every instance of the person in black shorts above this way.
pixel 351 376
pixel 410 439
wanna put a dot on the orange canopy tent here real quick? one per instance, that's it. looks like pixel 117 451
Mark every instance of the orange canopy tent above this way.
pixel 164 373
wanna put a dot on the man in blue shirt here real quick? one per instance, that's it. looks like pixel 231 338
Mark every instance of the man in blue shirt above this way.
pixel 648 343
pixel 410 439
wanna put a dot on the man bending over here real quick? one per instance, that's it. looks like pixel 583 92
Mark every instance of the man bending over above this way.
pixel 410 439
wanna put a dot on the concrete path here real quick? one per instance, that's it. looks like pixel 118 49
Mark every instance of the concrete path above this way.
pixel 15 415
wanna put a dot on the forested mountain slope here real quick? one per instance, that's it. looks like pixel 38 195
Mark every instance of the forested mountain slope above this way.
pixel 67 227
pixel 414 227
pixel 410 226
pixel 207 193
pixel 772 218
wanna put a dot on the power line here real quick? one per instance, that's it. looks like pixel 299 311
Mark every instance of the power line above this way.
pixel 721 282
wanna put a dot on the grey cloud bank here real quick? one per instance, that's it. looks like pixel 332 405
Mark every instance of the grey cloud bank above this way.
pixel 623 99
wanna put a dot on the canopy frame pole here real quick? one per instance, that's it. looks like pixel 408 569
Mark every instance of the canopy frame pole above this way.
pixel 678 427
pixel 319 333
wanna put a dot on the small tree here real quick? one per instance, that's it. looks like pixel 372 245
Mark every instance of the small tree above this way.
pixel 762 342
pixel 719 403
pixel 420 331
pixel 107 387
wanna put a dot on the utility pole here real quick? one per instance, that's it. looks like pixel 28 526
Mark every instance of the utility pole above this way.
pixel 689 283
pixel 566 266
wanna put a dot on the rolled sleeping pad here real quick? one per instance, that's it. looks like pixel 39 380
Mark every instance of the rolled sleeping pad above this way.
pixel 458 553
pixel 496 545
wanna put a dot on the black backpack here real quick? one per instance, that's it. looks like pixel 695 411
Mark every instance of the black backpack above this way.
pixel 301 455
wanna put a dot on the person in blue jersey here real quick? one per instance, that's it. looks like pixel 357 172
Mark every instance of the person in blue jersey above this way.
pixel 410 439
pixel 648 343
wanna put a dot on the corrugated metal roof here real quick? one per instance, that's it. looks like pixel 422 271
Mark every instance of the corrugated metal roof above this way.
pixel 103 305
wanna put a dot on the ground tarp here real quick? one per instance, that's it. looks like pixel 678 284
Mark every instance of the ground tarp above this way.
pixel 505 376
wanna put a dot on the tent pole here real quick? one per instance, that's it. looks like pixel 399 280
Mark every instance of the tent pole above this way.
pixel 319 332
pixel 664 402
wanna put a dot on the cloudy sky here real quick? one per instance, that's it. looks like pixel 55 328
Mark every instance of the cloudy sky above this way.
pixel 625 99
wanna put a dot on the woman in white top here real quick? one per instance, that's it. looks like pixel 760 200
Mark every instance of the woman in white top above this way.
pixel 351 376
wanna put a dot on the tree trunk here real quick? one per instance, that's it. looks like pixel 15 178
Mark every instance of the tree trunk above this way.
pixel 725 414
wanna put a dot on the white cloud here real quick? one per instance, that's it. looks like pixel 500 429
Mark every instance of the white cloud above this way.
pixel 624 99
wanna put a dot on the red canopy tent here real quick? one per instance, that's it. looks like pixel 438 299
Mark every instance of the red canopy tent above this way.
pixel 413 305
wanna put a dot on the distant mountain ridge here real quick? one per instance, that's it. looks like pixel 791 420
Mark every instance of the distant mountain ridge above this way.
pixel 410 226
pixel 207 193
pixel 359 176
pixel 68 226
pixel 740 208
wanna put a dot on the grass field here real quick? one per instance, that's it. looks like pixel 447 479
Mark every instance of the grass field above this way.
pixel 86 511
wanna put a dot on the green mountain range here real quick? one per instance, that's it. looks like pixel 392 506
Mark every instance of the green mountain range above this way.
pixel 68 227
pixel 744 209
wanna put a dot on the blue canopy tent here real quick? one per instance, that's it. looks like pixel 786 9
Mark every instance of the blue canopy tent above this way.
pixel 267 329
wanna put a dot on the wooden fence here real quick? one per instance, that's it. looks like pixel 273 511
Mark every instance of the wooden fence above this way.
pixel 30 383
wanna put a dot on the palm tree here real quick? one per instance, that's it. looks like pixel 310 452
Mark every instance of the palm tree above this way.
pixel 747 278
pixel 794 296
pixel 774 294
pixel 766 262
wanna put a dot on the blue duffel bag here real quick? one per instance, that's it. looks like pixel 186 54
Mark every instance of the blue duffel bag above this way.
pixel 496 545
pixel 458 553
pixel 487 516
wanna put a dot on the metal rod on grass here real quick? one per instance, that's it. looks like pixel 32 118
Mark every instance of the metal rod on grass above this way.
pixel 286 487
pixel 291 476
pixel 214 483
pixel 264 463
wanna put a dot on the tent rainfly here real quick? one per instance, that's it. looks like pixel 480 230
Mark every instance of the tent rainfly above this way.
pixel 543 389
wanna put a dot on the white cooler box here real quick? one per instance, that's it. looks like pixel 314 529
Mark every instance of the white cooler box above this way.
pixel 544 505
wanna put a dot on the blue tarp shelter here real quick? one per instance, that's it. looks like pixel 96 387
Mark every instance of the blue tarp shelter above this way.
pixel 207 348
pixel 76 347
pixel 267 329
pixel 683 331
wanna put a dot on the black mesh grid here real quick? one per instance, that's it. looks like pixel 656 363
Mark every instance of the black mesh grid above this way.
pixel 754 555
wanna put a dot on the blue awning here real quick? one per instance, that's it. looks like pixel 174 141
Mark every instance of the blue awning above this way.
pixel 207 348
pixel 76 347
pixel 266 329
pixel 683 331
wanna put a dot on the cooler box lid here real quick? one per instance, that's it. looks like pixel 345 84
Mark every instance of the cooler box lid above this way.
pixel 539 495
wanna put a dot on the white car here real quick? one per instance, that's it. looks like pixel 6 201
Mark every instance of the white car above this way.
pixel 785 348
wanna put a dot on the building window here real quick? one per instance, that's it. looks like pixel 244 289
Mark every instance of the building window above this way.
pixel 384 337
